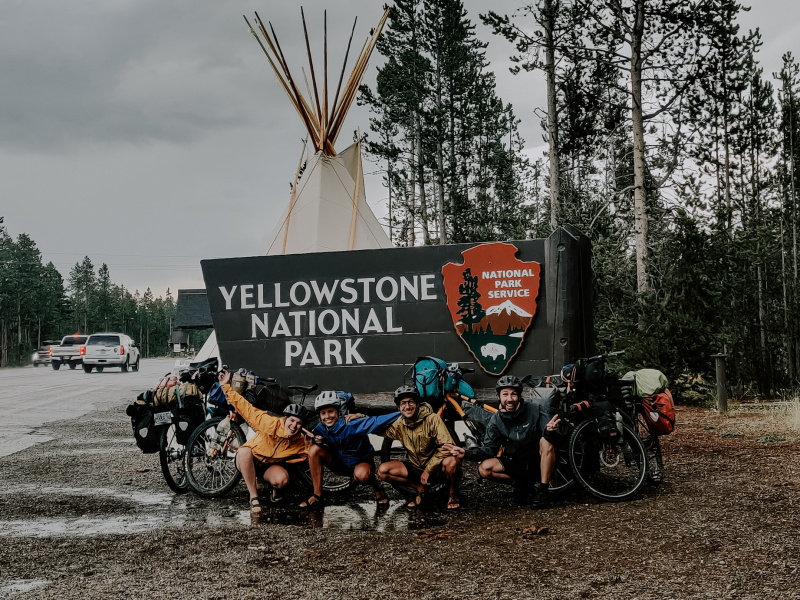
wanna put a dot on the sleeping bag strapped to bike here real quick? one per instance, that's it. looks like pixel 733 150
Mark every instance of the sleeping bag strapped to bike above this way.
pixel 659 410
pixel 145 430
pixel 428 373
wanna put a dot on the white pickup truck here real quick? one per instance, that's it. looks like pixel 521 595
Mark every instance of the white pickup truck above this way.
pixel 68 352
pixel 110 350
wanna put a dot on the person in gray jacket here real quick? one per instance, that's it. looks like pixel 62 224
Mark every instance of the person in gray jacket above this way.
pixel 526 434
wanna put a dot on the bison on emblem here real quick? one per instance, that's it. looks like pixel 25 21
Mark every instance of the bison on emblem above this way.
pixel 493 350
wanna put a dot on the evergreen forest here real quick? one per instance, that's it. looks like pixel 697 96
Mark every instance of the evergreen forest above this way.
pixel 36 304
pixel 666 142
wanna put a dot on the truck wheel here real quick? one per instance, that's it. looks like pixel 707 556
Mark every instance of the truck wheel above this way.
pixel 135 366
pixel 87 368
pixel 56 365
pixel 99 369
pixel 124 367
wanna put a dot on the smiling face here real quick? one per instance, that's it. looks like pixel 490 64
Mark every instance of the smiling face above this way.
pixel 509 399
pixel 329 415
pixel 292 425
pixel 408 407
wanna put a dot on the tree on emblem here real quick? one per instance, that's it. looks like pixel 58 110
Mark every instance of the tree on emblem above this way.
pixel 469 308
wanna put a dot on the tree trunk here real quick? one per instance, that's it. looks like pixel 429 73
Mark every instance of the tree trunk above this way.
pixel 439 151
pixel 423 201
pixel 412 233
pixel 549 14
pixel 637 121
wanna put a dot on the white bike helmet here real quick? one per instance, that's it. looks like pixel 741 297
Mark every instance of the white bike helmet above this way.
pixel 327 399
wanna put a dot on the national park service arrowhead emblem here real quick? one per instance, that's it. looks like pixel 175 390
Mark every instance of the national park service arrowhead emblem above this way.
pixel 492 300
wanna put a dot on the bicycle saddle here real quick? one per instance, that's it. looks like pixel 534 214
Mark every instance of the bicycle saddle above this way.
pixel 304 389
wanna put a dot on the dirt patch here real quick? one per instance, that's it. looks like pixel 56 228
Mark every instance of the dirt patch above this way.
pixel 723 525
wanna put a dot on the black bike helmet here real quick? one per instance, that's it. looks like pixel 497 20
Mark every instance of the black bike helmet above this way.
pixel 509 381
pixel 295 410
pixel 406 391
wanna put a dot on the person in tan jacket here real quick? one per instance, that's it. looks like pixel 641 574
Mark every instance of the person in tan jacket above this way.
pixel 422 432
pixel 277 440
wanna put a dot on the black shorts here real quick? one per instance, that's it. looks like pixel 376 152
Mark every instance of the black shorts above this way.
pixel 415 472
pixel 337 467
pixel 521 470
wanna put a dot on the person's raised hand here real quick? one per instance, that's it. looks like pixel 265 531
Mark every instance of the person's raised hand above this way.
pixel 348 418
pixel 551 426
pixel 224 377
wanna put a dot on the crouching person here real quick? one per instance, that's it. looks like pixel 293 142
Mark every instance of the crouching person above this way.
pixel 276 440
pixel 526 433
pixel 423 434
pixel 342 445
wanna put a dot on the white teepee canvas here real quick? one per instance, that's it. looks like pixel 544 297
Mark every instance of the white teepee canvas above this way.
pixel 329 210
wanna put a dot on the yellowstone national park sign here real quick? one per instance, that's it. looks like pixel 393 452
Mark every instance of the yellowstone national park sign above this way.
pixel 357 320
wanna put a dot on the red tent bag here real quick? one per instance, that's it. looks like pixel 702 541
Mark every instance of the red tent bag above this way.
pixel 659 411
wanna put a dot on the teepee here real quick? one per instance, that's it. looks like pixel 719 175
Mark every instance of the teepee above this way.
pixel 328 209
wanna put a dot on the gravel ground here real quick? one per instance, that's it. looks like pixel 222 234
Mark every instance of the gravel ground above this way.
pixel 86 515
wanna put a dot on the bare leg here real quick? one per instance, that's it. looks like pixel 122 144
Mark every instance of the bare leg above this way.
pixel 548 459
pixel 492 469
pixel 451 468
pixel 317 457
pixel 277 477
pixel 244 462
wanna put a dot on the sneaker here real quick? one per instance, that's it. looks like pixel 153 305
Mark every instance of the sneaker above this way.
pixel 539 499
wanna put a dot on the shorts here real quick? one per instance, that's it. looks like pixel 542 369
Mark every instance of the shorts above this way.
pixel 337 467
pixel 415 472
pixel 261 465
pixel 521 470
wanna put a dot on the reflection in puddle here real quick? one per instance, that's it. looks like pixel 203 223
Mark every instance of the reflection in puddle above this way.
pixel 366 516
pixel 19 586
pixel 148 498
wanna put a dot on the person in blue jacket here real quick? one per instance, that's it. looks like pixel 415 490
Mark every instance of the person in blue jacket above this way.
pixel 341 443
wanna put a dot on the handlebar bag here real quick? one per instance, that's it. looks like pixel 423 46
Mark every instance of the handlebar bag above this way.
pixel 145 431
pixel 659 411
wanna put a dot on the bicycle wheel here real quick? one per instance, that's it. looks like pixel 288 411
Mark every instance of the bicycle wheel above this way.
pixel 562 478
pixel 173 466
pixel 652 445
pixel 609 471
pixel 211 471
pixel 331 483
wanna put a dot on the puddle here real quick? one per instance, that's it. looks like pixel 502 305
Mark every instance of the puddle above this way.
pixel 167 510
pixel 365 516
pixel 11 587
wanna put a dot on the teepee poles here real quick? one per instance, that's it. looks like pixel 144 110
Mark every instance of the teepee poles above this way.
pixel 323 121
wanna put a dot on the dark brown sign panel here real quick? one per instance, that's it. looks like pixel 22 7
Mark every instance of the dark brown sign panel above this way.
pixel 357 320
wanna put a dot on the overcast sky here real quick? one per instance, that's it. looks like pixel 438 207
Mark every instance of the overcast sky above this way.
pixel 149 134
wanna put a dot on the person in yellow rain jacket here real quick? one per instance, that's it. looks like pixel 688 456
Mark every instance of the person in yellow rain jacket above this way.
pixel 277 440
pixel 422 432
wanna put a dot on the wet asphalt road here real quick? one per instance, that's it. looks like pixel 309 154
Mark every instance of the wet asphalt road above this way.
pixel 32 398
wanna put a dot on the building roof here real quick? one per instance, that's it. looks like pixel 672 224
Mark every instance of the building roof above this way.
pixel 192 311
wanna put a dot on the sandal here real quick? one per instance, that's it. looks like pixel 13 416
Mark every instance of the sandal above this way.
pixel 382 498
pixel 454 502
pixel 309 504
pixel 255 503
pixel 275 495
pixel 419 498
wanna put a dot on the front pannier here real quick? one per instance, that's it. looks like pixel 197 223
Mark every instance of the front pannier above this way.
pixel 145 430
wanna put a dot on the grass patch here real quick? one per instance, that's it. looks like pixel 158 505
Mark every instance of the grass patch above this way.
pixel 730 434
pixel 769 439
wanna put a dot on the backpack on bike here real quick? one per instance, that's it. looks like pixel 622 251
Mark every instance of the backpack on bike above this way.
pixel 347 404
pixel 145 430
pixel 648 381
pixel 659 411
pixel 428 373
pixel 268 396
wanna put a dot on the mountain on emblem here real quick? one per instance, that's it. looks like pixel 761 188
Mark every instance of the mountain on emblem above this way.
pixel 492 300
